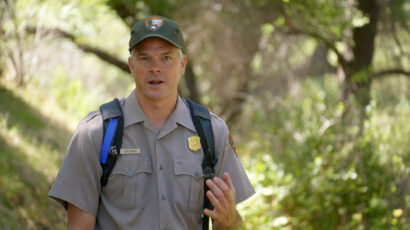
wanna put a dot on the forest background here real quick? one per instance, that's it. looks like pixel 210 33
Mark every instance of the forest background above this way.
pixel 315 92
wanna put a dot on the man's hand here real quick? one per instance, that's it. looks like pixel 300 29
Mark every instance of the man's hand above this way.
pixel 221 194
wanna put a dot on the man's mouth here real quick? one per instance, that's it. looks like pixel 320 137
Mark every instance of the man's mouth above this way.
pixel 155 82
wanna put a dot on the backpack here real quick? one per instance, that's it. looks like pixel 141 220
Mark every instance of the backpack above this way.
pixel 113 125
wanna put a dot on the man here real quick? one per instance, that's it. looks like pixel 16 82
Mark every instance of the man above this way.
pixel 159 183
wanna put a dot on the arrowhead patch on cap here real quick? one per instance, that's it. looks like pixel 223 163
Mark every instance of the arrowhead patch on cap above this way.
pixel 153 23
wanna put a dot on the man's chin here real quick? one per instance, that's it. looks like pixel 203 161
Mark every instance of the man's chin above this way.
pixel 158 97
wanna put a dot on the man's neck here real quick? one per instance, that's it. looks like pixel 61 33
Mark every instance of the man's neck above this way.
pixel 158 112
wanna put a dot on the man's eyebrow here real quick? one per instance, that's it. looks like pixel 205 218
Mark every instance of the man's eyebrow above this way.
pixel 146 54
pixel 141 54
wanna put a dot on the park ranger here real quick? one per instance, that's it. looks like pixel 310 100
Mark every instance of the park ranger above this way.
pixel 157 181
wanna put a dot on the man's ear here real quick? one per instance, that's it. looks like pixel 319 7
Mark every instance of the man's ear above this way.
pixel 130 66
pixel 184 62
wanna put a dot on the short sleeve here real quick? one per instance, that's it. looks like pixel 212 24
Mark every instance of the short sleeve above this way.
pixel 78 181
pixel 228 161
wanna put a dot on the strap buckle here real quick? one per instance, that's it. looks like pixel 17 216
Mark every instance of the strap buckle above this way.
pixel 208 173
pixel 114 151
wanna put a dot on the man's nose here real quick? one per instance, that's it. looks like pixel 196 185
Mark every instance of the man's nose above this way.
pixel 155 66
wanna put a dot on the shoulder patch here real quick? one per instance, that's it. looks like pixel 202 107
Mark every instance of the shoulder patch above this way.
pixel 232 144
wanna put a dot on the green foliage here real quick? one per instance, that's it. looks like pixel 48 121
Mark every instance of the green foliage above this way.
pixel 398 13
pixel 311 171
pixel 331 18
pixel 31 147
pixel 70 94
pixel 90 21
pixel 362 76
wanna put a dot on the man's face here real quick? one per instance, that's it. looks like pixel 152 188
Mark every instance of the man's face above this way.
pixel 157 68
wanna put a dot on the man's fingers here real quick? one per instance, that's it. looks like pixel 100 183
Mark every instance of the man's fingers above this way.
pixel 221 194
pixel 209 213
pixel 228 181
pixel 222 186
pixel 214 201
pixel 221 191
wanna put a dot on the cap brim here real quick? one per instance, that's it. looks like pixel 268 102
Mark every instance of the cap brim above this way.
pixel 155 36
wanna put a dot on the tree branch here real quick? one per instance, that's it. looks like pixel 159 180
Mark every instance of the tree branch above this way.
pixel 295 30
pixel 395 37
pixel 103 55
pixel 326 42
pixel 125 10
pixel 387 72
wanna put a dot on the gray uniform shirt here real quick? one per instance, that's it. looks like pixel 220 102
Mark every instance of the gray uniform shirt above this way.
pixel 157 181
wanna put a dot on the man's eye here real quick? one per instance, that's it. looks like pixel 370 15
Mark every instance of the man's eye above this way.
pixel 143 58
pixel 166 58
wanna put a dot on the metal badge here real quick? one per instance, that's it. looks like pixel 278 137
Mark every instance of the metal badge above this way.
pixel 194 143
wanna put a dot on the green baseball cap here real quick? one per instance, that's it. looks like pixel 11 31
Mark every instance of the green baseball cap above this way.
pixel 156 26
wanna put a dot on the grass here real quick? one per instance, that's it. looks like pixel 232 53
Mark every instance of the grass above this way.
pixel 32 147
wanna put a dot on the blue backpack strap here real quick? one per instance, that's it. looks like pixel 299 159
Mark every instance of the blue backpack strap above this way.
pixel 113 125
pixel 202 122
pixel 109 134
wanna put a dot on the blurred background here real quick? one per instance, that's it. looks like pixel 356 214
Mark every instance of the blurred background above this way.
pixel 316 94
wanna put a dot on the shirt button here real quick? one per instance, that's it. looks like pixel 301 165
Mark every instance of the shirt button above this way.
pixel 163 197
pixel 130 172
pixel 160 167
pixel 196 174
pixel 165 227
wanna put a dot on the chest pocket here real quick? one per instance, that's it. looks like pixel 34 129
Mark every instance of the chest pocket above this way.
pixel 127 185
pixel 188 190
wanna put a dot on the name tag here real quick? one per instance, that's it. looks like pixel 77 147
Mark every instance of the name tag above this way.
pixel 130 151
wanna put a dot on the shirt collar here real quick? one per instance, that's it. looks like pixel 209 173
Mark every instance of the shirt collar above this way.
pixel 134 114
pixel 132 111
pixel 181 115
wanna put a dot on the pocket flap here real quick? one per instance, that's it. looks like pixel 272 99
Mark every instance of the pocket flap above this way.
pixel 130 165
pixel 188 167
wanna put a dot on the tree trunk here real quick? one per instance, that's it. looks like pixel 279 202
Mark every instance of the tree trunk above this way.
pixel 356 74
pixel 236 104
pixel 16 56
pixel 190 81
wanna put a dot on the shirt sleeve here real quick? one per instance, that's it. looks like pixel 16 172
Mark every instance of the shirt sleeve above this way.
pixel 229 161
pixel 78 181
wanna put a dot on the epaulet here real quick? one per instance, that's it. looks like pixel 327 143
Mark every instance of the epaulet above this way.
pixel 91 115
pixel 216 118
